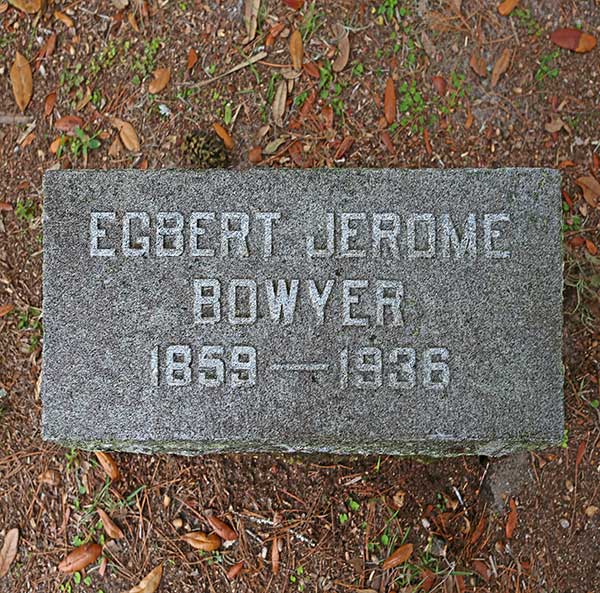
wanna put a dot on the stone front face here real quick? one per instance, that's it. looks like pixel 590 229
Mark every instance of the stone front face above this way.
pixel 374 311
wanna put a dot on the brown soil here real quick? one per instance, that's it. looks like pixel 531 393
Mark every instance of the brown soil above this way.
pixel 335 519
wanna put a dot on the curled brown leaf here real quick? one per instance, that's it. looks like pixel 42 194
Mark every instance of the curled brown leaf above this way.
pixel 501 66
pixel 221 528
pixel 399 556
pixel 160 80
pixel 224 135
pixel 80 557
pixel 111 528
pixel 343 50
pixel 202 541
pixel 8 553
pixel 506 7
pixel 574 40
pixel 511 523
pixel 235 570
pixel 149 584
pixel 128 135
pixel 109 465
pixel 389 101
pixel 22 81
pixel 296 50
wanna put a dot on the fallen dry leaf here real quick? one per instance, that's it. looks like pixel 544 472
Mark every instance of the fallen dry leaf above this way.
pixel 49 103
pixel 440 85
pixel 343 148
pixel 5 207
pixel 389 101
pixel 127 134
pixel 109 465
pixel 251 8
pixel 275 555
pixel 255 155
pixel 501 66
pixel 279 103
pixel 387 141
pixel 482 570
pixel 55 145
pixel 50 477
pixel 556 125
pixel 573 39
pixel 111 528
pixel 192 58
pixel 506 7
pixel 9 550
pixel 149 584
pixel 295 4
pixel 591 247
pixel 64 18
pixel 591 511
pixel 399 556
pixel 478 530
pixel 296 50
pixel 114 150
pixel 478 64
pixel 511 523
pixel 22 81
pixel 343 56
pixel 235 570
pixel 224 135
pixel 224 531
pixel 80 557
pixel 68 123
pixel 133 22
pixel 311 69
pixel 590 188
pixel 201 541
pixel 160 81
pixel 29 6
pixel 6 309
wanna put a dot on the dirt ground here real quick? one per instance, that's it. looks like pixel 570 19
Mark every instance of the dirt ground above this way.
pixel 528 523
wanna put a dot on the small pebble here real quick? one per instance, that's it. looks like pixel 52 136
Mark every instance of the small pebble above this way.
pixel 564 523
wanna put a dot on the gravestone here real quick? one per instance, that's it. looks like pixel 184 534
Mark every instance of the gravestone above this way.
pixel 350 311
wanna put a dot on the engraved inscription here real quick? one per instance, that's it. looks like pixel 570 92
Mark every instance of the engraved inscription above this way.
pixel 355 304
pixel 353 235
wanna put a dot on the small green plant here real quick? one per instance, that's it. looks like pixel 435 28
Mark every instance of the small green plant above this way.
pixel 353 505
pixel 28 320
pixel 547 69
pixel 358 69
pixel 388 9
pixel 565 439
pixel 299 578
pixel 145 63
pixel 227 114
pixel 343 518
pixel 525 19
pixel 71 81
pixel 25 210
pixel 300 98
pixel 311 22
pixel 83 143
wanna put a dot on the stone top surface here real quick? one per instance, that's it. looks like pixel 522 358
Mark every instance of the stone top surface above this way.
pixel 372 311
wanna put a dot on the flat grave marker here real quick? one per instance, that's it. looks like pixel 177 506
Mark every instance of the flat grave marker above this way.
pixel 350 311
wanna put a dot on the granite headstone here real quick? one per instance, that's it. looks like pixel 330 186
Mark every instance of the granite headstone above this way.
pixel 350 311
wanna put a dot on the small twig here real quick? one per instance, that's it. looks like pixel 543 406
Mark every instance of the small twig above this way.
pixel 9 119
pixel 257 58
